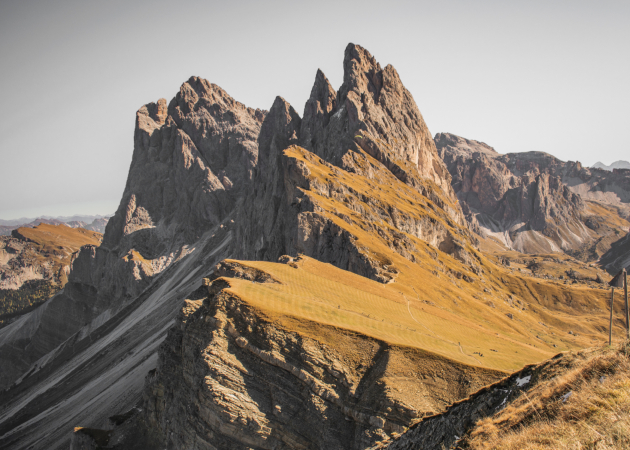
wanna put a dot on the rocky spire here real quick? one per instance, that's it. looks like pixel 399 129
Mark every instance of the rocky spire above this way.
pixel 374 112
pixel 279 130
pixel 318 109
pixel 264 220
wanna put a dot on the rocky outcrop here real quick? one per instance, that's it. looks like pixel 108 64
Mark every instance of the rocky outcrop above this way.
pixel 446 429
pixel 559 393
pixel 370 128
pixel 374 112
pixel 229 378
pixel 618 256
pixel 531 202
pixel 34 265
pixel 191 160
pixel 41 253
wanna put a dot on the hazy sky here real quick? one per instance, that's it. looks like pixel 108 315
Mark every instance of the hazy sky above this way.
pixel 552 76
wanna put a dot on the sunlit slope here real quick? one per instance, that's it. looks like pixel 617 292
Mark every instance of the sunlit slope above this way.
pixel 471 311
pixel 51 236
pixel 316 293
pixel 34 265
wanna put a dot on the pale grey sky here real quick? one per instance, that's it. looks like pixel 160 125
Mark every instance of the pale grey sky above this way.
pixel 546 75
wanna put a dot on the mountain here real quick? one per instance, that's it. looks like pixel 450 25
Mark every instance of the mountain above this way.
pixel 534 203
pixel 616 165
pixel 172 226
pixel 92 223
pixel 272 280
pixel 34 264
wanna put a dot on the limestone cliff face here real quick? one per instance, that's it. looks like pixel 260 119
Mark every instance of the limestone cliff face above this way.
pixel 372 111
pixel 531 202
pixel 268 218
pixel 191 160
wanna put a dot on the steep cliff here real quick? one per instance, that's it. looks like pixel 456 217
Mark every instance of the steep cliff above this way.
pixel 361 148
pixel 180 186
pixel 531 202
pixel 171 227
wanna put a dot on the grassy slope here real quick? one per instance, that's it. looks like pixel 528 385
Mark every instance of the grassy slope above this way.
pixel 51 245
pixel 427 306
pixel 581 401
pixel 53 237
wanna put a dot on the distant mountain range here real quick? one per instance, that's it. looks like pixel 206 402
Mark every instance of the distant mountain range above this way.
pixel 616 165
pixel 93 223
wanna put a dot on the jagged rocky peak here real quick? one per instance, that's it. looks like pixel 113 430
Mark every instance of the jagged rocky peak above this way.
pixel 152 116
pixel 318 110
pixel 224 130
pixel 521 193
pixel 283 213
pixel 191 161
pixel 459 144
pixel 190 164
pixel 372 111
pixel 279 130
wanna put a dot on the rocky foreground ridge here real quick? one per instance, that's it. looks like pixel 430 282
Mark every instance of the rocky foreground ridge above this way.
pixel 574 399
pixel 534 203
pixel 356 201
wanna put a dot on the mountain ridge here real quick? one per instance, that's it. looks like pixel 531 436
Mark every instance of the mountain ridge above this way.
pixel 352 196
pixel 615 165
pixel 533 202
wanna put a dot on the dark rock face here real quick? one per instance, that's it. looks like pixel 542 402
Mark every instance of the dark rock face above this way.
pixel 191 161
pixel 268 221
pixel 445 430
pixel 618 257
